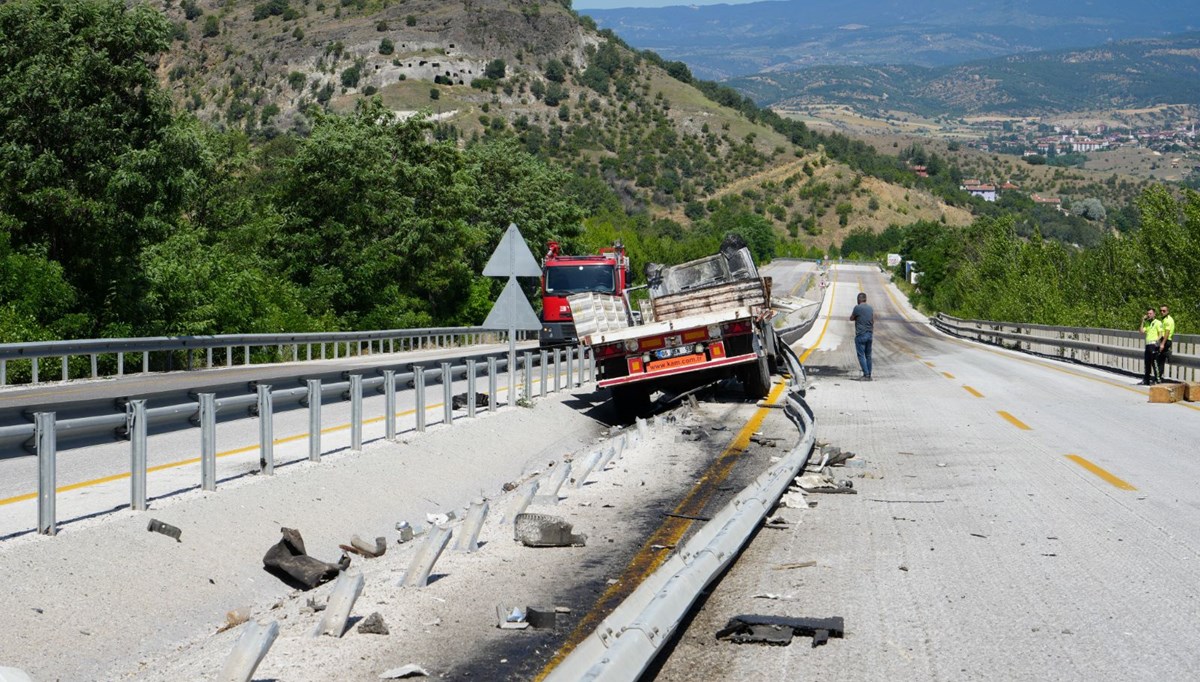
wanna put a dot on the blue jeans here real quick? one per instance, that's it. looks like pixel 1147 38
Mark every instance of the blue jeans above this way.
pixel 862 344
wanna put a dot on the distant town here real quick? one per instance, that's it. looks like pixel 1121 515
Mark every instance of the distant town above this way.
pixel 1035 138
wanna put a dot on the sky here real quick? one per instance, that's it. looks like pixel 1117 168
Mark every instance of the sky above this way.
pixel 609 4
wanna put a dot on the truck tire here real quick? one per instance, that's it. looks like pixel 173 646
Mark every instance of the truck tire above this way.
pixel 756 379
pixel 630 402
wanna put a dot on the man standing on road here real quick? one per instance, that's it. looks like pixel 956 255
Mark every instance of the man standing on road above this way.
pixel 864 327
pixel 1153 329
pixel 1164 342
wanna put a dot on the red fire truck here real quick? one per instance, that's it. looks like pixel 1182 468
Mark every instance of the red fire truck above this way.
pixel 562 276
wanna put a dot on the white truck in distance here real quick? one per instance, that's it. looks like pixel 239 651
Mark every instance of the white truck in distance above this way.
pixel 710 320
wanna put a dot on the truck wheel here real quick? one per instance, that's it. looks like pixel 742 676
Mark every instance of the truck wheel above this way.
pixel 630 402
pixel 756 379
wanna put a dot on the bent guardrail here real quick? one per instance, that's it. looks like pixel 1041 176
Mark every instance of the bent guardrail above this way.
pixel 227 348
pixel 1114 349
pixel 131 423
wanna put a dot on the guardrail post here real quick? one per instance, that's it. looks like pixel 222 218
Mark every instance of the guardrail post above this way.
pixel 528 357
pixel 582 355
pixel 266 430
pixel 135 419
pixel 47 452
pixel 251 648
pixel 65 372
pixel 314 420
pixel 491 384
pixel 423 560
pixel 389 404
pixel 591 366
pixel 447 395
pixel 93 358
pixel 419 389
pixel 208 441
pixel 246 350
pixel 470 388
pixel 557 370
pixel 468 538
pixel 3 372
pixel 543 358
pixel 570 366
pixel 229 356
pixel 356 412
pixel 208 358
pixel 34 368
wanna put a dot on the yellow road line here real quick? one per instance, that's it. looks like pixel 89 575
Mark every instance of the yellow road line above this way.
pixel 948 375
pixel 972 391
pixel 649 557
pixel 1014 421
pixel 928 364
pixel 1108 478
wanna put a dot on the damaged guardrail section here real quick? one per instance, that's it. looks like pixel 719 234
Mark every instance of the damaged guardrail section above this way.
pixel 1115 349
pixel 626 642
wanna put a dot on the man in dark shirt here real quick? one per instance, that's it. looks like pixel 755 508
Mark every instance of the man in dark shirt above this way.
pixel 864 327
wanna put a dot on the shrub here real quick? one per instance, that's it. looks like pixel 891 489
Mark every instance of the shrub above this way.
pixel 350 76
pixel 410 20
pixel 386 46
pixel 495 69
pixel 212 26
pixel 296 79
pixel 434 93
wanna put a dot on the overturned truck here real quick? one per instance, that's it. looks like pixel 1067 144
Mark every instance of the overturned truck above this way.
pixel 708 319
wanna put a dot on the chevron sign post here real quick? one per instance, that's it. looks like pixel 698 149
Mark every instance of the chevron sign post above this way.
pixel 512 312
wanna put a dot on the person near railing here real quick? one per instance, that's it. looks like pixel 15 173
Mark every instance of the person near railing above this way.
pixel 1164 342
pixel 1153 329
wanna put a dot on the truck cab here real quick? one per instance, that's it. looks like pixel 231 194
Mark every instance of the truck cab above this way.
pixel 563 276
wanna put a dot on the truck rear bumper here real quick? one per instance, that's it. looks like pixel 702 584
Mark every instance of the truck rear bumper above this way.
pixel 651 376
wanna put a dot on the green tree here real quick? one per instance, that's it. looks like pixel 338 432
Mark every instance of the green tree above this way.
pixel 212 26
pixel 93 165
pixel 495 69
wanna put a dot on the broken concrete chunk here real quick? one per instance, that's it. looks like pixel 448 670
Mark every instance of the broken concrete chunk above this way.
pixel 511 619
pixel 542 618
pixel 372 551
pixel 410 670
pixel 289 562
pixel 166 529
pixel 373 625
pixel 543 530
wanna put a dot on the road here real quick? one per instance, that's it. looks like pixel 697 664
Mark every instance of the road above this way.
pixel 1016 518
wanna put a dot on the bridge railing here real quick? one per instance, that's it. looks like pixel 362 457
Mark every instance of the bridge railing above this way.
pixel 108 357
pixel 1116 349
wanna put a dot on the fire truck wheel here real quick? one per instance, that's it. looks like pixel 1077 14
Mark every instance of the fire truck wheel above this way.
pixel 756 379
pixel 631 402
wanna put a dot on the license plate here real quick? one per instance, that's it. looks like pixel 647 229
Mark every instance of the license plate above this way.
pixel 671 363
pixel 672 352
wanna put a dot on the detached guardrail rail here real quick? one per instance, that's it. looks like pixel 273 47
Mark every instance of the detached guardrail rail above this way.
pixel 227 348
pixel 1114 349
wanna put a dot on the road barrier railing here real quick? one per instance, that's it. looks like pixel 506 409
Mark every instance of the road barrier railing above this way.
pixel 108 357
pixel 45 432
pixel 1114 349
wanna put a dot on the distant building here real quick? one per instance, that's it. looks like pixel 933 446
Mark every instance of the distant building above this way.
pixel 1039 199
pixel 978 189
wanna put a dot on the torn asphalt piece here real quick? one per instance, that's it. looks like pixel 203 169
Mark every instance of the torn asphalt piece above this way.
pixel 544 530
pixel 779 630
pixel 289 562
pixel 459 401
pixel 166 529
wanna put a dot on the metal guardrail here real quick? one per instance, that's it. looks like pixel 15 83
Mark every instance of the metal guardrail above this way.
pixel 1114 349
pixel 286 347
pixel 46 429
pixel 626 642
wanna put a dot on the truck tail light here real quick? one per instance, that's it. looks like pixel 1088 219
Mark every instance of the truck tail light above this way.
pixel 608 351
pixel 716 350
pixel 739 327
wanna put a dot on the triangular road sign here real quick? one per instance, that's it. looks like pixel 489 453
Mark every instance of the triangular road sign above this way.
pixel 512 257
pixel 512 311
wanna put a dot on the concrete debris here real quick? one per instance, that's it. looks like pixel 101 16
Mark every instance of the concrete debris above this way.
pixel 288 561
pixel 541 618
pixel 793 500
pixel 410 670
pixel 779 630
pixel 235 618
pixel 440 519
pixel 313 605
pixel 839 459
pixel 822 482
pixel 543 530
pixel 373 625
pixel 166 529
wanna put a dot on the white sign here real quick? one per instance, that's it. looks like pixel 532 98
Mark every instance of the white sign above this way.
pixel 893 259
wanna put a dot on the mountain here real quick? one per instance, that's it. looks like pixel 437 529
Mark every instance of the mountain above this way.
pixel 722 41
pixel 1126 74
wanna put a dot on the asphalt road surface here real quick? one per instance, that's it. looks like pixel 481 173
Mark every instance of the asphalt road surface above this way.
pixel 1016 518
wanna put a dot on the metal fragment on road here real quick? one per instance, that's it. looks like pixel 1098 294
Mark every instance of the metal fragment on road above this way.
pixel 156 526
pixel 406 531
pixel 780 629
pixel 251 648
pixel 289 561
pixel 368 549
pixel 543 530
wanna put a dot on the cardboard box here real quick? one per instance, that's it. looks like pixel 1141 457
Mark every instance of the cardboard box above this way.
pixel 1166 393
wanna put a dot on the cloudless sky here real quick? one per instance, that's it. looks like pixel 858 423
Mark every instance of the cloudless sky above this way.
pixel 609 4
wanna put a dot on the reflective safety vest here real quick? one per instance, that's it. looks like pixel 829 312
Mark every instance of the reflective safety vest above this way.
pixel 1168 325
pixel 1154 330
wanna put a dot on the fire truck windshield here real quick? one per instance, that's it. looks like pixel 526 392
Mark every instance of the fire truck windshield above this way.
pixel 563 280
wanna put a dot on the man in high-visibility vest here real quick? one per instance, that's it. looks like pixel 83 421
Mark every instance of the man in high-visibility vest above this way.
pixel 1153 330
pixel 1164 342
